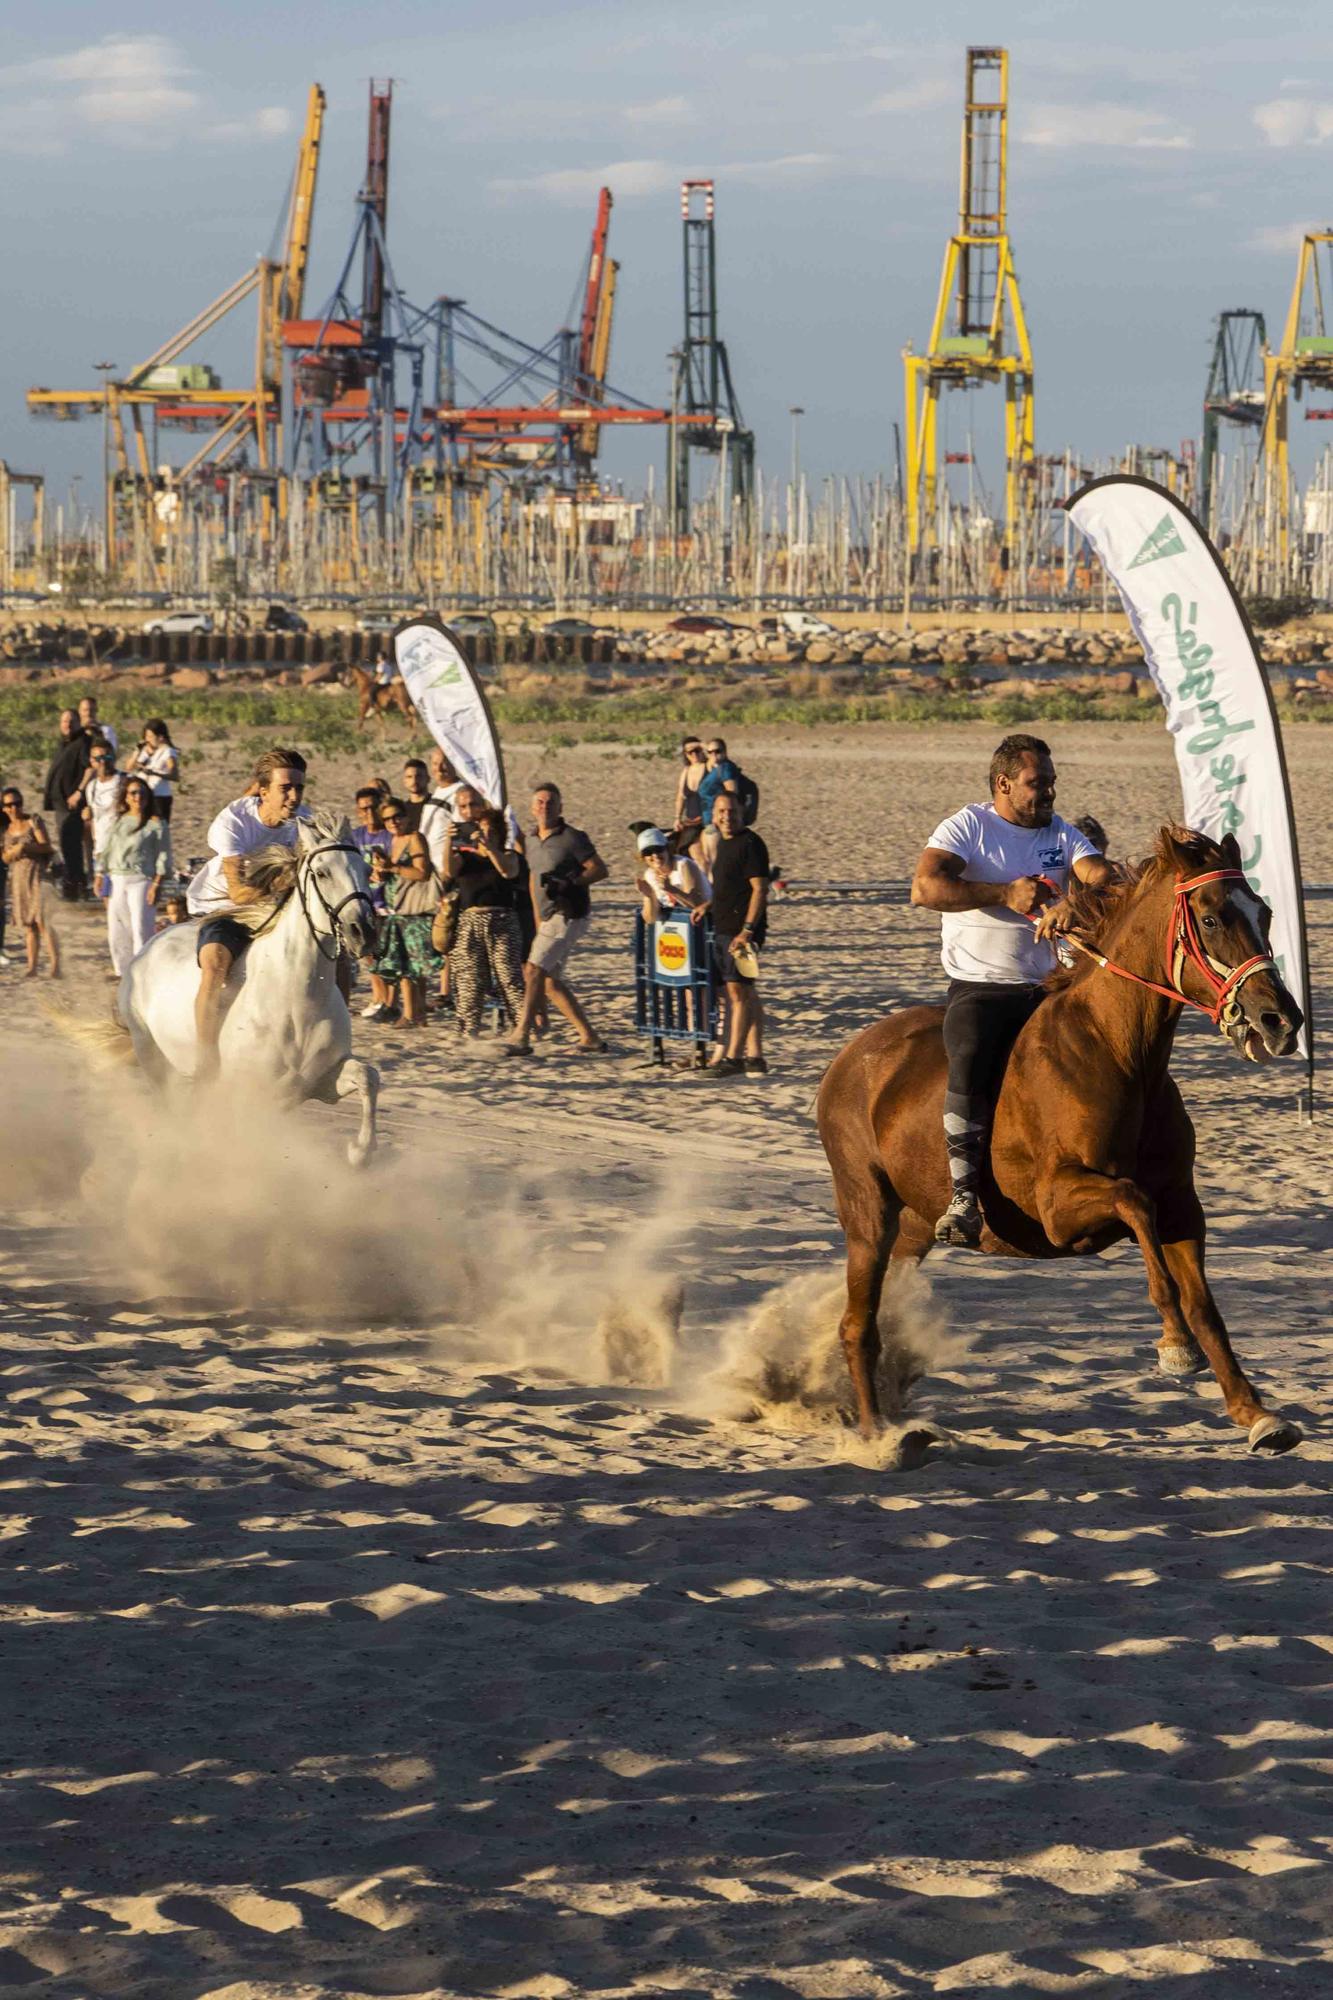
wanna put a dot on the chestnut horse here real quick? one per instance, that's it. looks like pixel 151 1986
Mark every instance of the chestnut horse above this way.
pixel 377 698
pixel 1091 1141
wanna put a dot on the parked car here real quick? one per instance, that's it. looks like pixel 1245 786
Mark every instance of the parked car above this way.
pixel 472 625
pixel 798 625
pixel 281 618
pixel 373 619
pixel 702 621
pixel 568 628
pixel 181 621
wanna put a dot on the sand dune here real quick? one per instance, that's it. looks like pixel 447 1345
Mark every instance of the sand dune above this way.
pixel 364 1636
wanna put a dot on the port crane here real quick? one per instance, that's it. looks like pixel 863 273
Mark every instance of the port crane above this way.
pixel 165 392
pixel 979 333
pixel 1302 362
pixel 1234 393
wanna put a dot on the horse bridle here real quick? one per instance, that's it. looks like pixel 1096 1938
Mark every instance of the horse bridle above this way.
pixel 333 911
pixel 1185 947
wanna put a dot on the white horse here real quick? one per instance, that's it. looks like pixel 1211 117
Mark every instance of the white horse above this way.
pixel 285 1026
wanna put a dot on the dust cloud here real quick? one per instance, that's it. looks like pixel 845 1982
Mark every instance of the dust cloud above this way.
pixel 248 1205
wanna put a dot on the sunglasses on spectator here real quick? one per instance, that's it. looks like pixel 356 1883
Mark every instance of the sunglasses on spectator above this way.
pixel 11 800
pixel 715 749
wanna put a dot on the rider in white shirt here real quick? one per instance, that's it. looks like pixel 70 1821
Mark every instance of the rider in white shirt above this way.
pixel 997 873
pixel 264 817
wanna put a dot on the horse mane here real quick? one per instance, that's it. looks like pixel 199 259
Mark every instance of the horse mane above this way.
pixel 1098 912
pixel 273 869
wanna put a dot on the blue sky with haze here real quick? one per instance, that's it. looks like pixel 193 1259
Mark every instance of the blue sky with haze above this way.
pixel 1163 162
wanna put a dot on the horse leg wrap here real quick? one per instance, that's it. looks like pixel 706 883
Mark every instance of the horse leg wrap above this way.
pixel 966 1129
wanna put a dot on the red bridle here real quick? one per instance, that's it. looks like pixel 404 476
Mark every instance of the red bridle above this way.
pixel 1185 947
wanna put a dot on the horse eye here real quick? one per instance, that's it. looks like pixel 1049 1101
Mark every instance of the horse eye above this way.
pixel 1210 923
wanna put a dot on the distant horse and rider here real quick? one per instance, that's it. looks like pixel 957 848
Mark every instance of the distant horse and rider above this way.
pixel 1042 1120
pixel 380 694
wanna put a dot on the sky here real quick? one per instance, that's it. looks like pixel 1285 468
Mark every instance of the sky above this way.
pixel 1163 164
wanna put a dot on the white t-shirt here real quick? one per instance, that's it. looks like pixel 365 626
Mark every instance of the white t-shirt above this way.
pixel 157 765
pixel 238 829
pixel 684 876
pixel 997 946
pixel 433 824
pixel 102 796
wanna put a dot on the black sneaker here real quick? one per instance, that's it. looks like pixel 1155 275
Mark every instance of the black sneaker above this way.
pixel 960 1225
pixel 755 1066
pixel 729 1066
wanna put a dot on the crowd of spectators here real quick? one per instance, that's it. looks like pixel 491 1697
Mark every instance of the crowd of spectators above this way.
pixel 479 916
pixel 107 839
pixel 479 919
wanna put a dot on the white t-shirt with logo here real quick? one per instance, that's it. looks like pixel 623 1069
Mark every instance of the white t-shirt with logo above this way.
pixel 237 830
pixel 996 946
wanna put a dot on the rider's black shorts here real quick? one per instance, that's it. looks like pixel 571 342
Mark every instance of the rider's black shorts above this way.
pixel 225 931
pixel 981 1025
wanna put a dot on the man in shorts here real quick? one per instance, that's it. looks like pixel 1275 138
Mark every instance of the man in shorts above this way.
pixel 740 919
pixel 266 817
pixel 564 866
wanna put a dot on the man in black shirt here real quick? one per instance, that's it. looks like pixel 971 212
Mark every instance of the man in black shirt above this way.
pixel 740 922
pixel 64 795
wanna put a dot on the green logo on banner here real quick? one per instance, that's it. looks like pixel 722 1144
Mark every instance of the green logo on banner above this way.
pixel 1163 541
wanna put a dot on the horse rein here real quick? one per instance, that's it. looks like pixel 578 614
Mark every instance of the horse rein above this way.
pixel 1185 947
pixel 332 911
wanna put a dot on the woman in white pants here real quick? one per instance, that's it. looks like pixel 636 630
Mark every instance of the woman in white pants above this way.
pixel 134 862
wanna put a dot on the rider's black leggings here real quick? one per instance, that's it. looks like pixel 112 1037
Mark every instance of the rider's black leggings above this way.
pixel 981 1025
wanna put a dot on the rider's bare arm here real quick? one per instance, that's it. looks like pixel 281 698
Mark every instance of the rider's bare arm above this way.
pixel 594 870
pixel 938 885
pixel 240 891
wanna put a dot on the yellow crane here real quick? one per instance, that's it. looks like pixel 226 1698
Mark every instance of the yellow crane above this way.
pixel 189 395
pixel 979 332
pixel 1304 359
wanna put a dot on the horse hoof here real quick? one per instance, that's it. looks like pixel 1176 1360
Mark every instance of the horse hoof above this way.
pixel 359 1156
pixel 1273 1434
pixel 1181 1360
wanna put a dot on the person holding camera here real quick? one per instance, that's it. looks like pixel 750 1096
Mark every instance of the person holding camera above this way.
pixel 486 950
pixel 564 866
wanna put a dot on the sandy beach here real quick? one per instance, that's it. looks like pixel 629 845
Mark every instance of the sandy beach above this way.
pixel 367 1632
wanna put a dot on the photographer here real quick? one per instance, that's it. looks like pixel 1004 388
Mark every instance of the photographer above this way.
pixel 564 865
pixel 487 948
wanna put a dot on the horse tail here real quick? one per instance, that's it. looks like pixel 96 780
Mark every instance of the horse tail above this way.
pixel 106 1044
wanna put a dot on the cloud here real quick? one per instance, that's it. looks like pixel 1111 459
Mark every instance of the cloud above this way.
pixel 271 121
pixel 133 91
pixel 917 96
pixel 1279 239
pixel 661 111
pixel 630 178
pixel 1294 121
pixel 626 178
pixel 1107 125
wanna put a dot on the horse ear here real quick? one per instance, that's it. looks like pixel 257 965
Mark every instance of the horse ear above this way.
pixel 1174 845
pixel 306 837
pixel 1230 850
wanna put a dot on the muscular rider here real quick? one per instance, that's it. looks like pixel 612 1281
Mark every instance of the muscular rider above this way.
pixel 988 869
pixel 267 816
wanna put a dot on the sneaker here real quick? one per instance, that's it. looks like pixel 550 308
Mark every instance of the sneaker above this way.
pixel 960 1224
pixel 755 1066
pixel 729 1066
pixel 374 1012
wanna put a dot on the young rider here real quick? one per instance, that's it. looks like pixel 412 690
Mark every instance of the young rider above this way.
pixel 990 870
pixel 265 817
